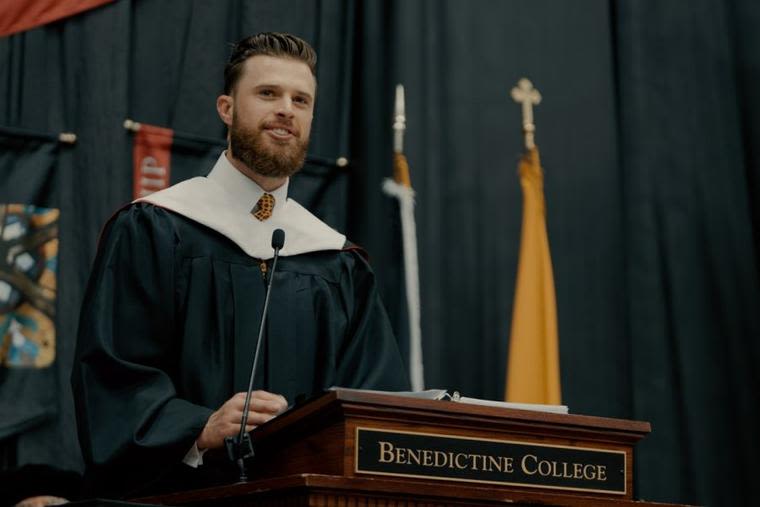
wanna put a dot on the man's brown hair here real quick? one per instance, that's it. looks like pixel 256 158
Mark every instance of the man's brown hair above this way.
pixel 282 45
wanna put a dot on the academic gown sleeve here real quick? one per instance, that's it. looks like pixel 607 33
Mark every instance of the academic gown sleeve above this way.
pixel 132 425
pixel 369 357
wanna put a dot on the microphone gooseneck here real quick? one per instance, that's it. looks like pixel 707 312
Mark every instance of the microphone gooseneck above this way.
pixel 240 447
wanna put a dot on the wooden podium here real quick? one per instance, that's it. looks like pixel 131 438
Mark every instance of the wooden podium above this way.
pixel 358 448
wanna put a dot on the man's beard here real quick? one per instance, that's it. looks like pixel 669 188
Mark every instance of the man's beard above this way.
pixel 249 146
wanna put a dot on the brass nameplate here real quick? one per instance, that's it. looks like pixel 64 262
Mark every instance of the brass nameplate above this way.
pixel 454 458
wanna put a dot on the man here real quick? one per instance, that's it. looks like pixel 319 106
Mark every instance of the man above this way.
pixel 170 319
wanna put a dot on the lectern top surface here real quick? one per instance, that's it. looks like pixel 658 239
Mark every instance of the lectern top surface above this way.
pixel 355 402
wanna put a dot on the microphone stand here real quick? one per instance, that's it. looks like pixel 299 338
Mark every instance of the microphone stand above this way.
pixel 240 447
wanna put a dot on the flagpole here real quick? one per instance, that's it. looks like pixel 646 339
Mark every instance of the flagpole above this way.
pixel 400 187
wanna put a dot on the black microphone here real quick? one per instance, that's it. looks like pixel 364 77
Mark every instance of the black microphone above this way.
pixel 278 240
pixel 239 448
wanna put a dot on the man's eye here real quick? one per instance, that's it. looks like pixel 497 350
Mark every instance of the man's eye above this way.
pixel 266 93
pixel 301 100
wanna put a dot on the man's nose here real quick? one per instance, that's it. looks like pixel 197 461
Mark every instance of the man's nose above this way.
pixel 285 108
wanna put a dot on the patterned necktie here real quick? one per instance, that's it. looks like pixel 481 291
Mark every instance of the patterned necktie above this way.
pixel 264 207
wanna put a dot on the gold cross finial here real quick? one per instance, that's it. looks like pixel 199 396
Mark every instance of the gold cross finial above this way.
pixel 525 94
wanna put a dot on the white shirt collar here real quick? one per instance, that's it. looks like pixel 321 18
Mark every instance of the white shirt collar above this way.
pixel 245 192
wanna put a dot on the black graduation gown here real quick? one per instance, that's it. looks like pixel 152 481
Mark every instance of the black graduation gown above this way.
pixel 167 334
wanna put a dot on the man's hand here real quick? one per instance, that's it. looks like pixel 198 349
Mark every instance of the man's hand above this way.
pixel 41 501
pixel 225 422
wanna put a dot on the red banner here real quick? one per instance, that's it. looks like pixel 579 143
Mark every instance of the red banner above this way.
pixel 19 15
pixel 151 158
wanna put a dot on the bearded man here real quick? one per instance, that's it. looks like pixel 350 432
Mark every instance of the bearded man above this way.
pixel 170 318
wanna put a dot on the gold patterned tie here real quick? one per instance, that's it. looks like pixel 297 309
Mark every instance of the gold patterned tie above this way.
pixel 264 207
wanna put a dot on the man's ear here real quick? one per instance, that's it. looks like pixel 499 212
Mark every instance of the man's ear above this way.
pixel 224 105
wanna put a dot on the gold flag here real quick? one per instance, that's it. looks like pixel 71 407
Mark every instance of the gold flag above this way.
pixel 533 368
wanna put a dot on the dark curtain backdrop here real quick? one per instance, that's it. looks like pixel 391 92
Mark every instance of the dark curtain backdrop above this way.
pixel 648 133
pixel 688 107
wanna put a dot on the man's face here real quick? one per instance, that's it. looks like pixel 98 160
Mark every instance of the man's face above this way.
pixel 272 106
